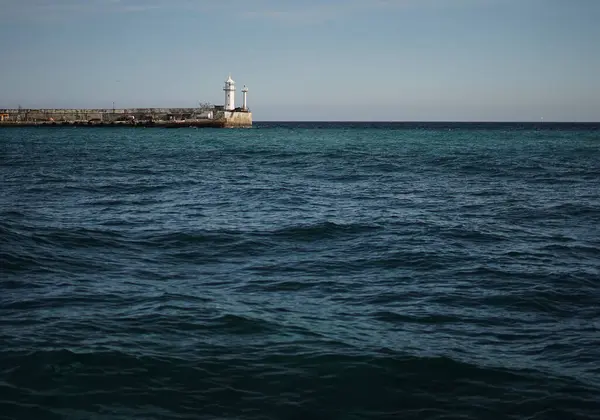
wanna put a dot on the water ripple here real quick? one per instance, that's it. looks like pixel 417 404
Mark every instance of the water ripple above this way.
pixel 293 271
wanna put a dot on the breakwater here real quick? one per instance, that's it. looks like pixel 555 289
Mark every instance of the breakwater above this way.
pixel 137 117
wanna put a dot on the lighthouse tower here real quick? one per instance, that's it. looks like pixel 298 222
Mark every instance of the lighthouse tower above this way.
pixel 245 97
pixel 229 94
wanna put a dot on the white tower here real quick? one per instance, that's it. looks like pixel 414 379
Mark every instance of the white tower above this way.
pixel 245 93
pixel 229 94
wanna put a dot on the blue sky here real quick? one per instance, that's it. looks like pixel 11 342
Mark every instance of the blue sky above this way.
pixel 478 60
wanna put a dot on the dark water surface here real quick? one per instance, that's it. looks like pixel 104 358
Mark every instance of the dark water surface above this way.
pixel 339 271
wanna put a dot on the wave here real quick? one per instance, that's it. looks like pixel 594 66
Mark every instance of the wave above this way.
pixel 259 383
pixel 322 230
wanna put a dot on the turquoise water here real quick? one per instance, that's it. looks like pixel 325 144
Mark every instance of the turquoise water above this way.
pixel 347 271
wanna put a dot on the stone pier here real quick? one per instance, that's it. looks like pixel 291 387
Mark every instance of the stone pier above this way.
pixel 133 117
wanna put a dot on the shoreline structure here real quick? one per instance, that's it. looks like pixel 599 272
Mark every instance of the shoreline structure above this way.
pixel 218 116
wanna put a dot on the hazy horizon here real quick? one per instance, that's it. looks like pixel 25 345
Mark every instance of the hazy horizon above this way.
pixel 353 60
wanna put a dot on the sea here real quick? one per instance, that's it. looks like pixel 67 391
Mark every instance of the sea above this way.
pixel 301 271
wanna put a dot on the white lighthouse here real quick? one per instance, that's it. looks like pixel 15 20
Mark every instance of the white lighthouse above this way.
pixel 245 98
pixel 229 94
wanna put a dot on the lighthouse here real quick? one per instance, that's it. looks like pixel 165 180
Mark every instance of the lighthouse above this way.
pixel 229 94
pixel 245 98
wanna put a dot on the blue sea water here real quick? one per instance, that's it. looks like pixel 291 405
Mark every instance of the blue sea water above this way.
pixel 301 271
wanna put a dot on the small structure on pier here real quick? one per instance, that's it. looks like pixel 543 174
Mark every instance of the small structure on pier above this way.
pixel 245 98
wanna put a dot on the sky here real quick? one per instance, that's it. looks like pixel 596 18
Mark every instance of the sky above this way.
pixel 355 60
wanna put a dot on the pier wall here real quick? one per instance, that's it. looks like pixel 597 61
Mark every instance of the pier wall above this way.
pixel 238 119
pixel 131 116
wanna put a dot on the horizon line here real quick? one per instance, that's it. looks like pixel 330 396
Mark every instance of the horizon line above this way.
pixel 433 121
